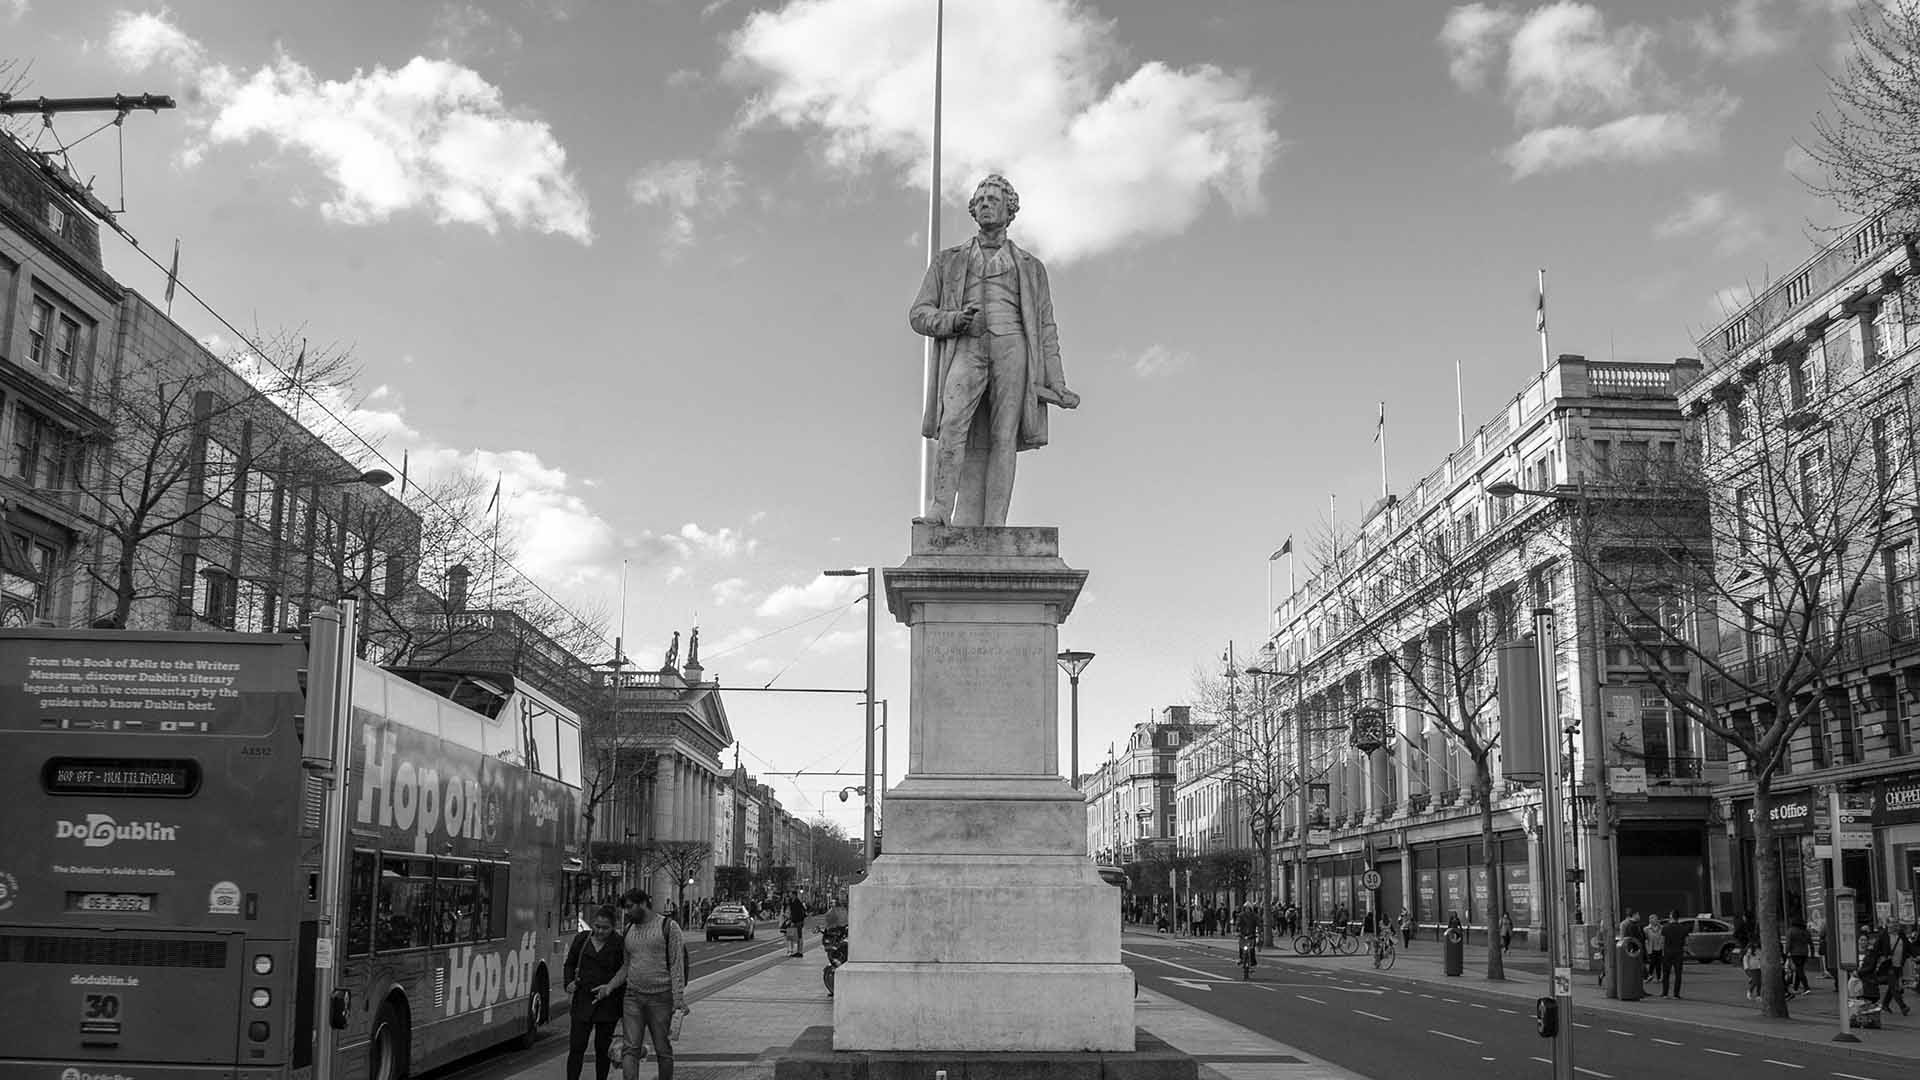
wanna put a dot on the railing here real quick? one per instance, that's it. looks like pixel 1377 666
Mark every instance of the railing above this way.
pixel 1607 378
pixel 1863 644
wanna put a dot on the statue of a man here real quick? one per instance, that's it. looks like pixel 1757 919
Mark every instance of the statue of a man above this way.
pixel 987 304
pixel 673 654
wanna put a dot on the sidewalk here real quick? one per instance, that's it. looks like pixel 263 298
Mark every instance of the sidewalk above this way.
pixel 1715 995
pixel 744 1017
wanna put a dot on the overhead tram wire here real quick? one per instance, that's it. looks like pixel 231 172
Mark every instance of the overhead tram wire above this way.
pixel 326 410
pixel 838 615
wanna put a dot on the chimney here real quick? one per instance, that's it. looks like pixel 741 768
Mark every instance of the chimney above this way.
pixel 457 587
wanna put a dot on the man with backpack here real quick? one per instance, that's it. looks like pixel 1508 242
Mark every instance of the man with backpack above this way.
pixel 654 978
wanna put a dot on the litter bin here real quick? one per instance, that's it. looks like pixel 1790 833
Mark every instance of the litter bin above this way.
pixel 1453 948
pixel 1630 970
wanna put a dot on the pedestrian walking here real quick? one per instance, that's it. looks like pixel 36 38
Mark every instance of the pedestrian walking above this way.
pixel 1406 928
pixel 593 960
pixel 654 980
pixel 1656 949
pixel 1799 947
pixel 1673 952
pixel 1899 959
pixel 1506 930
pixel 796 925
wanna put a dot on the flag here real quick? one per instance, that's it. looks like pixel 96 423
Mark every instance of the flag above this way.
pixel 1285 549
pixel 173 273
pixel 1540 308
pixel 1381 428
pixel 403 472
pixel 495 501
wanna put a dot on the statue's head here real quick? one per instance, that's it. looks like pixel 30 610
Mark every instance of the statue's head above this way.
pixel 1009 199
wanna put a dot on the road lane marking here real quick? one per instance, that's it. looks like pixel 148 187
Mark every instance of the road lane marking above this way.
pixel 1375 1016
pixel 1591 1072
pixel 1455 1038
pixel 1477 1005
pixel 1315 1000
pixel 1850 1076
pixel 1722 1053
pixel 1667 1042
pixel 1451 1001
pixel 1483 1058
pixel 1783 1064
pixel 1617 1031
pixel 1511 1012
pixel 1580 1025
pixel 1544 1061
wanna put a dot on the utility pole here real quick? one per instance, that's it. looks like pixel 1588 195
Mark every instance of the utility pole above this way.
pixel 62 175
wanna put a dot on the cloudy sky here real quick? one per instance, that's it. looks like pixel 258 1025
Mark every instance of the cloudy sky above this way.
pixel 650 261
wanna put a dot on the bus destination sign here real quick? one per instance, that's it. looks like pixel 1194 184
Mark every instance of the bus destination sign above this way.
pixel 176 778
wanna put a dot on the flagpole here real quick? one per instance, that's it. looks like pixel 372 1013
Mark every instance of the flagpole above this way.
pixel 1459 404
pixel 1380 436
pixel 1540 320
pixel 929 356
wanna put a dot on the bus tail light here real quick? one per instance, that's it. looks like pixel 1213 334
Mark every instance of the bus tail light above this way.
pixel 263 964
pixel 262 997
pixel 258 1031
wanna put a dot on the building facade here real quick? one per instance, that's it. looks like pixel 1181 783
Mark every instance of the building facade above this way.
pixel 1833 338
pixel 1449 571
pixel 57 315
pixel 1131 811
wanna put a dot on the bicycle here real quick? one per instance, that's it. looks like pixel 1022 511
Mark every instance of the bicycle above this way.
pixel 1384 952
pixel 1313 941
pixel 1249 957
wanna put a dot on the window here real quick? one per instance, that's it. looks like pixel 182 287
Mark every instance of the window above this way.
pixel 1843 364
pixel 1882 331
pixel 57 217
pixel 567 765
pixel 1602 459
pixel 403 911
pixel 456 901
pixel 32 436
pixel 66 342
pixel 1173 738
pixel 1743 516
pixel 1812 465
pixel 1737 427
pixel 360 878
pixel 39 328
pixel 45 561
pixel 1898 565
pixel 1798 387
pixel 1884 473
pixel 218 467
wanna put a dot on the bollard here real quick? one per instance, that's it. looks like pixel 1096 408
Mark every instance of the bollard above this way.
pixel 1454 949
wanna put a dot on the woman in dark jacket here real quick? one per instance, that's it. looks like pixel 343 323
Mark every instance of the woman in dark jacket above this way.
pixel 796 924
pixel 593 960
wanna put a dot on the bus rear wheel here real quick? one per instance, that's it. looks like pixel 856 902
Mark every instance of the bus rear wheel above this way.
pixel 387 1051
pixel 536 1011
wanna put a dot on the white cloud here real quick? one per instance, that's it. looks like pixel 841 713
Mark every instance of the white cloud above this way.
pixel 730 591
pixel 142 40
pixel 1158 360
pixel 689 190
pixel 1743 31
pixel 1473 35
pixel 1100 162
pixel 1640 139
pixel 17 9
pixel 1563 60
pixel 1583 92
pixel 692 541
pixel 1710 214
pixel 431 135
pixel 465 32
pixel 819 594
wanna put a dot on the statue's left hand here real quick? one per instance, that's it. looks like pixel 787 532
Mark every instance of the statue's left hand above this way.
pixel 1066 398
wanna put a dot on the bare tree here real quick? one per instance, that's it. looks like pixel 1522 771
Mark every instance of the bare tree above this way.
pixel 678 859
pixel 1867 142
pixel 1430 614
pixel 1773 565
pixel 186 435
pixel 1263 753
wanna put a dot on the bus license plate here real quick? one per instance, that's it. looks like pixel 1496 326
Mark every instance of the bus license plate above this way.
pixel 109 901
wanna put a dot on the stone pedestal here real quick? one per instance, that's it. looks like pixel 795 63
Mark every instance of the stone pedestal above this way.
pixel 984 926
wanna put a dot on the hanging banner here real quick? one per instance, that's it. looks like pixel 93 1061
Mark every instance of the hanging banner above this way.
pixel 1620 724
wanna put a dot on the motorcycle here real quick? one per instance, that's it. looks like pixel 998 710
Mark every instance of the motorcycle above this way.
pixel 833 942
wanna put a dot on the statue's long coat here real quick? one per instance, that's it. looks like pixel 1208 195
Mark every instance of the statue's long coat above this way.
pixel 942 296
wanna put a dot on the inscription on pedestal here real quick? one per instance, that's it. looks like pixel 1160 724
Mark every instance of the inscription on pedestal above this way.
pixel 984 699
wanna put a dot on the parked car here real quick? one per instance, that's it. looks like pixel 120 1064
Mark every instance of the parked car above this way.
pixel 1709 938
pixel 729 920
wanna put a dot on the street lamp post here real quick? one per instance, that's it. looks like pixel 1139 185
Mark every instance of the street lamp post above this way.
pixel 1560 944
pixel 1073 662
pixel 1299 794
pixel 866 810
pixel 1601 889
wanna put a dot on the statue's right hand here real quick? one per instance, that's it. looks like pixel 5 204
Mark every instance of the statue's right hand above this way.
pixel 964 321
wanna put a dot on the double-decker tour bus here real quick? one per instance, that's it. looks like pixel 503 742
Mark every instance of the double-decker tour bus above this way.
pixel 165 854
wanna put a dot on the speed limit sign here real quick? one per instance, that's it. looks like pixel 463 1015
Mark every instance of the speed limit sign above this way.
pixel 1370 880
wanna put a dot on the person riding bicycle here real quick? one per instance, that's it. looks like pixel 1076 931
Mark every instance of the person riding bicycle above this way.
pixel 1248 923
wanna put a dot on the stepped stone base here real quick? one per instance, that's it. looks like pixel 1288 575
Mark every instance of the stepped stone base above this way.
pixel 812 1057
